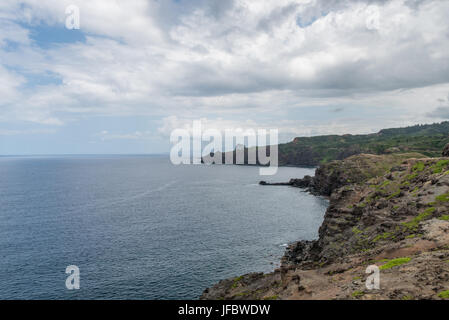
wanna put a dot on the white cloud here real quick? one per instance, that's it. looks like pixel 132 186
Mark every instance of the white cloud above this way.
pixel 136 135
pixel 25 132
pixel 228 60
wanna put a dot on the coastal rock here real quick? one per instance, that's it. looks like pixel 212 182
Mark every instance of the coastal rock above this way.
pixel 446 151
pixel 264 183
pixel 299 252
pixel 393 213
pixel 353 170
pixel 305 182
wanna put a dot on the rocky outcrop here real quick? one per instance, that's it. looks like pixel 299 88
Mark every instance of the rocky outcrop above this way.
pixel 305 182
pixel 353 170
pixel 313 151
pixel 393 213
pixel 446 151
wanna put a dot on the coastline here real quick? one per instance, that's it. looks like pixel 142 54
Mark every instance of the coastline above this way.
pixel 389 211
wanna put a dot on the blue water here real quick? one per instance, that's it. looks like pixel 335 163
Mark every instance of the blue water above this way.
pixel 139 227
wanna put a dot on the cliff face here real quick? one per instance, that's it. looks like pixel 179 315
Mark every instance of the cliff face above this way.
pixel 384 210
pixel 446 151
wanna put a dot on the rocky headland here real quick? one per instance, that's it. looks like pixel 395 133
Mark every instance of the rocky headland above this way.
pixel 427 139
pixel 386 210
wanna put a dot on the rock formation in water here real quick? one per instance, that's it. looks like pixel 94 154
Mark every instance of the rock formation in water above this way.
pixel 391 211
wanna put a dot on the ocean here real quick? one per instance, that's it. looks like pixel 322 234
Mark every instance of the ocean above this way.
pixel 139 227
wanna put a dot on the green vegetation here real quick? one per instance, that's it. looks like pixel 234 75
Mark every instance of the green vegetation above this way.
pixel 405 184
pixel 407 297
pixel 439 166
pixel 386 183
pixel 243 294
pixel 236 282
pixel 444 294
pixel 357 294
pixel 411 177
pixel 355 230
pixel 275 297
pixel 419 167
pixel 413 225
pixel 395 262
pixel 394 194
pixel 444 217
pixel 383 236
pixel 442 198
pixel 427 140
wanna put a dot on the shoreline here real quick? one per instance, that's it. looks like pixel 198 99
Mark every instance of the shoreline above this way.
pixel 389 211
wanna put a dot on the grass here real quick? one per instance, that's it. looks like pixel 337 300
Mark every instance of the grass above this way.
pixel 413 225
pixel 442 198
pixel 394 263
pixel 243 294
pixel 357 294
pixel 419 166
pixel 382 236
pixel 275 297
pixel 444 217
pixel 236 282
pixel 438 167
pixel 444 294
pixel 411 176
pixel 394 195
pixel 384 184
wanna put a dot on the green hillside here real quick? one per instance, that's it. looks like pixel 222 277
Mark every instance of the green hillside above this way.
pixel 425 139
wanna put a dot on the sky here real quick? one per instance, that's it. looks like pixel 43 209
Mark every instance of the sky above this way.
pixel 136 70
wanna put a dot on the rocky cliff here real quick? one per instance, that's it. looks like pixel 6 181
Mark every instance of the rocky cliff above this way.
pixel 391 211
pixel 446 151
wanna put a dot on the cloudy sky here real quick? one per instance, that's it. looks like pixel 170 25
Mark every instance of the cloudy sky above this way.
pixel 137 69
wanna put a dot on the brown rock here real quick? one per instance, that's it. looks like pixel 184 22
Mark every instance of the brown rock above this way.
pixel 446 151
pixel 375 216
